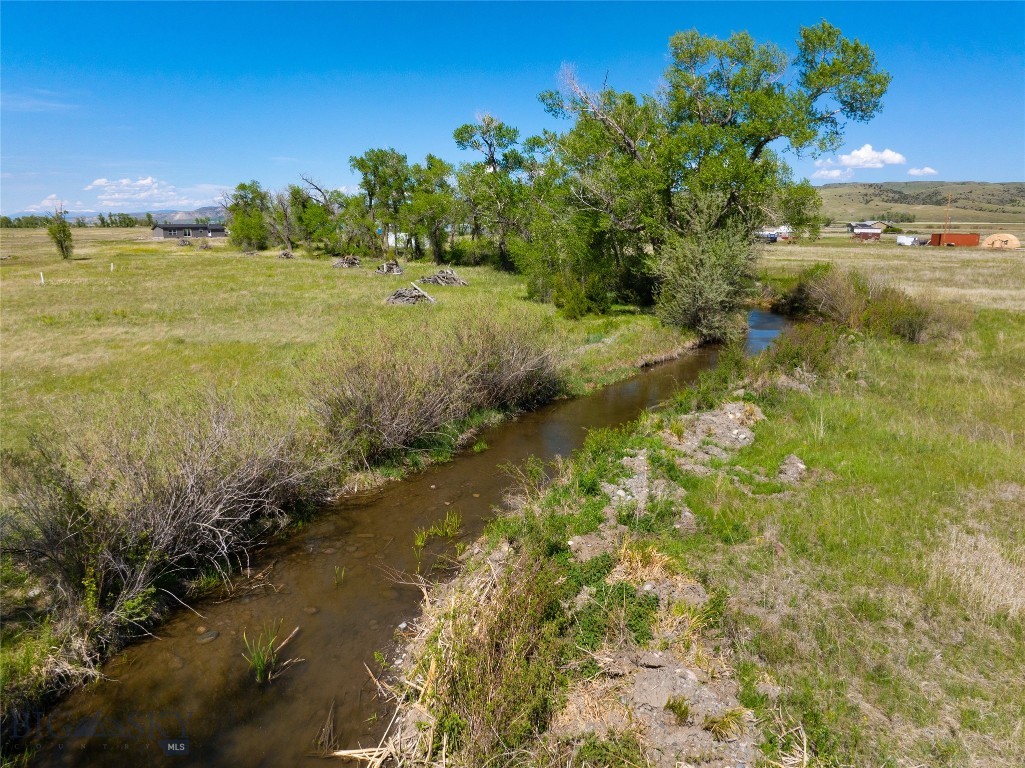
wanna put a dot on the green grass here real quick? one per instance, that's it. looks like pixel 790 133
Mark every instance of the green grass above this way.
pixel 131 328
pixel 260 652
pixel 842 589
pixel 170 319
pixel 850 592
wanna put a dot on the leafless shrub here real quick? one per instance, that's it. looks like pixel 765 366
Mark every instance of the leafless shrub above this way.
pixel 856 301
pixel 102 517
pixel 390 395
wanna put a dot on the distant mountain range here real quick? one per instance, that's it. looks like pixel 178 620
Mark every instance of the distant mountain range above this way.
pixel 970 201
pixel 212 212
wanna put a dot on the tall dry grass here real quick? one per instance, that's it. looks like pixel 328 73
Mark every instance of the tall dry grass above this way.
pixel 979 571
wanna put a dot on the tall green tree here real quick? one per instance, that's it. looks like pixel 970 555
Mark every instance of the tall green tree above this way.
pixel 318 216
pixel 493 188
pixel 712 139
pixel 248 207
pixel 385 182
pixel 430 207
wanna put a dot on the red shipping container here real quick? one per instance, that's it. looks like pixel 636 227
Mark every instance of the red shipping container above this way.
pixel 954 238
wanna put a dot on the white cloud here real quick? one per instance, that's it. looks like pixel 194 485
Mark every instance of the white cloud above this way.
pixel 833 173
pixel 842 168
pixel 36 100
pixel 148 192
pixel 866 157
pixel 926 171
pixel 48 204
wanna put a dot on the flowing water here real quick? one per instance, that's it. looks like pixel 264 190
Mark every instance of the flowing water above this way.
pixel 190 687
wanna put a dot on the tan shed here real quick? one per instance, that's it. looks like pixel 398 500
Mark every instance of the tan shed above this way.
pixel 1001 240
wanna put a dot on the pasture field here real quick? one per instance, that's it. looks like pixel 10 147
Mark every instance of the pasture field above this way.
pixel 131 315
pixel 976 276
pixel 126 345
pixel 869 613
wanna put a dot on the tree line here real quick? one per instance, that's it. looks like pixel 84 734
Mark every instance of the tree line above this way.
pixel 41 221
pixel 645 199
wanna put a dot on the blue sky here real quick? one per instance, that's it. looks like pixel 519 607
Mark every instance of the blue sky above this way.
pixel 134 106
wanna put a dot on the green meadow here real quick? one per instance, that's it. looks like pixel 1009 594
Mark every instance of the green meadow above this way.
pixel 128 316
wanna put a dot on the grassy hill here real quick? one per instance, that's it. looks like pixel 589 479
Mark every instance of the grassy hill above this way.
pixel 970 201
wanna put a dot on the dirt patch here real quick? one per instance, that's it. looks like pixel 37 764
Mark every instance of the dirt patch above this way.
pixel 792 471
pixel 702 437
pixel 675 694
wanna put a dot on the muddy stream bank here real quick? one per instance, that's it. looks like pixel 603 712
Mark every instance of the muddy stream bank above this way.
pixel 190 684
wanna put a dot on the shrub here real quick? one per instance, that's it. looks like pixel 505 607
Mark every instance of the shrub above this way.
pixel 891 312
pixel 717 383
pixel 812 347
pixel 797 302
pixel 60 232
pixel 576 297
pixel 703 281
pixel 840 297
pixel 389 395
pixel 105 517
pixel 851 300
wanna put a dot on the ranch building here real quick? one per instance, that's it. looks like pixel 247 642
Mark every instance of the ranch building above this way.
pixel 182 229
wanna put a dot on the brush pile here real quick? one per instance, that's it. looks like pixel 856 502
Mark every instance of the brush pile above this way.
pixel 443 277
pixel 407 296
pixel 346 262
pixel 389 268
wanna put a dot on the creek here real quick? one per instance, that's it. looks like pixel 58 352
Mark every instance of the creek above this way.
pixel 190 687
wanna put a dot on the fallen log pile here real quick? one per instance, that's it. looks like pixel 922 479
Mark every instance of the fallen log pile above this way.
pixel 346 262
pixel 443 277
pixel 412 295
pixel 389 268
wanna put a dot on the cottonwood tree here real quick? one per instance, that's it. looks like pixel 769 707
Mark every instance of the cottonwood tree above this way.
pixel 385 181
pixel 493 188
pixel 430 205
pixel 248 207
pixel 712 138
